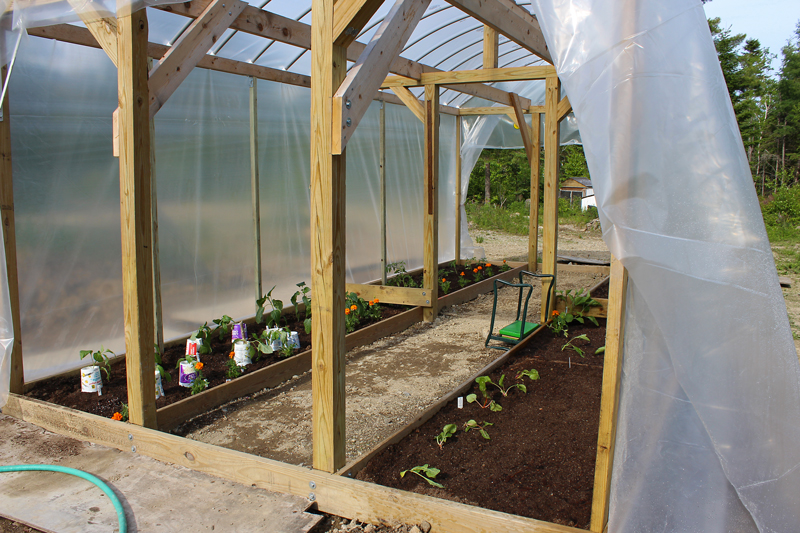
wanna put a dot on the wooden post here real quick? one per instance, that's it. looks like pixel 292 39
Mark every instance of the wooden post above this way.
pixel 550 219
pixel 458 190
pixel 609 401
pixel 157 308
pixel 328 68
pixel 10 240
pixel 490 45
pixel 383 190
pixel 135 214
pixel 533 223
pixel 430 231
pixel 254 184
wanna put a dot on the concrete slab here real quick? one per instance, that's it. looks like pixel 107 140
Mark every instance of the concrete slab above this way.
pixel 156 496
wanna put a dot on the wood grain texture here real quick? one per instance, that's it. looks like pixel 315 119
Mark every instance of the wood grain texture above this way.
pixel 254 186
pixel 490 44
pixel 533 221
pixel 382 171
pixel 17 380
pixel 339 495
pixel 410 101
pixel 564 107
pixel 489 75
pixel 430 227
pixel 328 68
pixel 609 400
pixel 500 110
pixel 524 130
pixel 189 49
pixel 135 216
pixel 353 97
pixel 551 188
pixel 458 192
pixel 350 17
pixel 391 295
pixel 158 316
pixel 509 19
pixel 103 28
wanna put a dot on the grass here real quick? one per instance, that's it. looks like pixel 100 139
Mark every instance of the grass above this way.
pixel 514 218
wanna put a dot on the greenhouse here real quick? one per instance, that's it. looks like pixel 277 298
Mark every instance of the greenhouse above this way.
pixel 165 164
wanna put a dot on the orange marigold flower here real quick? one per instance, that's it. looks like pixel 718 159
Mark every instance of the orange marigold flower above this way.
pixel 230 355
pixel 443 280
pixel 556 313
pixel 353 307
pixel 116 416
pixel 347 311
pixel 475 270
pixel 376 300
pixel 198 366
pixel 462 273
pixel 488 265
pixel 480 268
pixel 504 260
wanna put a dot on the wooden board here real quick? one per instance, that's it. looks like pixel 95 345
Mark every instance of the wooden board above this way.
pixel 490 42
pixel 609 400
pixel 430 226
pixel 551 167
pixel 458 193
pixel 332 494
pixel 255 195
pixel 135 213
pixel 582 260
pixel 391 295
pixel 533 221
pixel 489 75
pixel 410 101
pixel 499 110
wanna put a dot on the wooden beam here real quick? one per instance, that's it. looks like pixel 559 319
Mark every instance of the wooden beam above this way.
pixel 391 295
pixel 158 315
pixel 350 17
pixel 17 381
pixel 328 69
pixel 333 494
pixel 282 29
pixel 489 75
pixel 609 400
pixel 254 186
pixel 550 219
pixel 104 29
pixel 392 98
pixel 523 128
pixel 458 192
pixel 430 227
pixel 382 176
pixel 354 95
pixel 189 49
pixel 509 19
pixel 410 101
pixel 533 221
pixel 135 211
pixel 500 110
pixel 564 107
pixel 490 46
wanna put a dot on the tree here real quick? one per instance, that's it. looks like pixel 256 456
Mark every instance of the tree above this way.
pixel 788 108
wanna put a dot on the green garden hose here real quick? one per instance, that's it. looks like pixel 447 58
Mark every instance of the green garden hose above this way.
pixel 123 524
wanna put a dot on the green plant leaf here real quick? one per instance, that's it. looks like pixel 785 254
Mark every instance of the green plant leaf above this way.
pixel 502 378
pixel 484 434
pixel 600 350
pixel 472 398
pixel 84 353
pixel 522 387
pixel 496 407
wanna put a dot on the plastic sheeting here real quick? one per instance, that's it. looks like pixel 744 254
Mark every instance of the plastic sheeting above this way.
pixel 6 327
pixel 67 199
pixel 709 417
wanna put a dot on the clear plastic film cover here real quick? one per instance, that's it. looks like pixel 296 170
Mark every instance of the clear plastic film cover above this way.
pixel 6 327
pixel 709 418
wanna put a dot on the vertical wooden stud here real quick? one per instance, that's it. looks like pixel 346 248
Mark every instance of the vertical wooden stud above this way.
pixel 157 308
pixel 430 232
pixel 490 45
pixel 254 178
pixel 609 401
pixel 383 190
pixel 10 240
pixel 135 215
pixel 550 218
pixel 328 69
pixel 533 223
pixel 458 190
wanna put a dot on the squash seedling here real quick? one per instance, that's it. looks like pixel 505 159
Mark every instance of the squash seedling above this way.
pixel 224 325
pixel 483 381
pixel 101 359
pixel 573 347
pixel 487 402
pixel 428 473
pixel 303 294
pixel 277 308
pixel 471 424
pixel 532 374
pixel 448 431
pixel 204 334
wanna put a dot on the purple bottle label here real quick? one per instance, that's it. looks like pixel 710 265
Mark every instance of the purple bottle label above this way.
pixel 239 332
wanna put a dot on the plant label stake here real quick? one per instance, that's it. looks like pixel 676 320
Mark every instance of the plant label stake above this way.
pixel 91 380
pixel 191 347
pixel 186 374
pixel 159 386
pixel 460 402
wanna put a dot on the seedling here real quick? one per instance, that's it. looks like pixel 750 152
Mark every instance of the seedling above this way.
pixel 262 344
pixel 444 285
pixel 428 473
pixel 486 402
pixel 233 370
pixel 400 278
pixel 573 347
pixel 277 309
pixel 164 374
pixel 600 350
pixel 101 359
pixel 462 280
pixel 533 374
pixel 203 333
pixel 483 381
pixel 448 431
pixel 471 424
pixel 303 294
pixel 224 326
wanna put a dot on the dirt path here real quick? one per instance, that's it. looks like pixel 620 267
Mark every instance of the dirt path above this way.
pixel 390 382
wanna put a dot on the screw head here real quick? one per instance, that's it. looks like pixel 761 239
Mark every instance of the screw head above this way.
pixel 312 484
pixel 348 103
pixel 311 496
pixel 427 301
pixel 349 122
pixel 133 449
pixel 130 436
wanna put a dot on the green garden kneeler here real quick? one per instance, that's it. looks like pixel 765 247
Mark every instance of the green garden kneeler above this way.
pixel 519 329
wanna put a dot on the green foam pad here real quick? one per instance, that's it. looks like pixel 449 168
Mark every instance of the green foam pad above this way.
pixel 512 330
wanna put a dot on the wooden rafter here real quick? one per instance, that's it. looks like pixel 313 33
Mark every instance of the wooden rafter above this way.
pixel 104 28
pixel 354 95
pixel 490 75
pixel 282 29
pixel 490 46
pixel 411 102
pixel 564 107
pixel 189 49
pixel 523 128
pixel 509 19
pixel 499 110
pixel 350 17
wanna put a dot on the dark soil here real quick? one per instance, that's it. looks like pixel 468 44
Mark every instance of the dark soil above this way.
pixel 540 460
pixel 601 291
pixel 66 390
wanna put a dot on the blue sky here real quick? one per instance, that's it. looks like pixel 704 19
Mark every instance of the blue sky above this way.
pixel 772 22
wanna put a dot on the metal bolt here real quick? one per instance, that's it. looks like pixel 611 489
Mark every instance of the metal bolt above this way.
pixel 427 301
pixel 130 437
pixel 348 103
pixel 349 122
pixel 133 449
pixel 423 293
pixel 231 14
pixel 311 496
pixel 312 484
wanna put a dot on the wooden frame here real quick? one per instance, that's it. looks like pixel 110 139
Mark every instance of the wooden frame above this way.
pixel 484 75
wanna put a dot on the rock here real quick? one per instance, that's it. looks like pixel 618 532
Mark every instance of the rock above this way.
pixel 414 529
pixel 528 205
pixel 369 528
pixel 425 526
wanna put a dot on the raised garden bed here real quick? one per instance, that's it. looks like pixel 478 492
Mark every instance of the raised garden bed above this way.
pixel 539 461
pixel 179 405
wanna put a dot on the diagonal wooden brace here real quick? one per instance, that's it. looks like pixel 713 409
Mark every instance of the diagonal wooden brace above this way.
pixel 103 28
pixel 350 17
pixel 411 102
pixel 356 92
pixel 189 49
pixel 523 127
